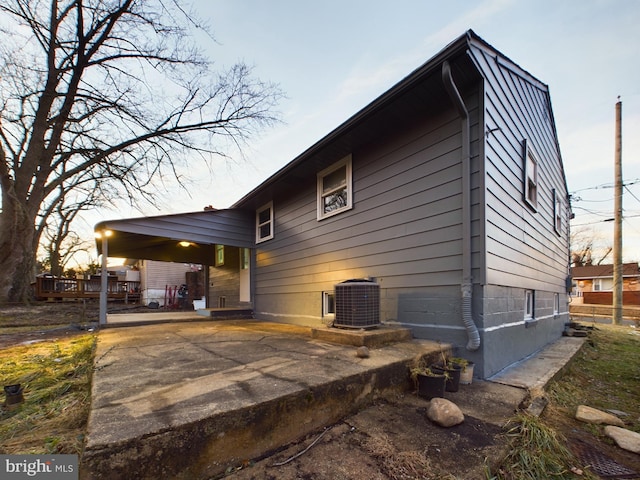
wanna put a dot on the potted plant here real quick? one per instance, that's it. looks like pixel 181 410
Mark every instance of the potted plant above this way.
pixel 466 374
pixel 451 370
pixel 428 383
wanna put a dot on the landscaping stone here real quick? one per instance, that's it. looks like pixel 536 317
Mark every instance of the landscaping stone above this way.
pixel 362 352
pixel 444 412
pixel 537 406
pixel 593 415
pixel 626 439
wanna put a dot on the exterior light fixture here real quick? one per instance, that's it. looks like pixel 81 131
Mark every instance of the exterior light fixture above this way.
pixel 103 234
pixel 184 244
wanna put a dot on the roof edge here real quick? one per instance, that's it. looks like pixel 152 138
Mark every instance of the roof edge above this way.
pixel 457 46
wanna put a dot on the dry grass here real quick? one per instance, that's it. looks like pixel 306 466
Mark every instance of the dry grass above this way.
pixel 538 451
pixel 56 378
pixel 401 465
pixel 604 375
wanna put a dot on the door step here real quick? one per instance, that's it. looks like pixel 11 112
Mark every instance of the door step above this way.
pixel 237 313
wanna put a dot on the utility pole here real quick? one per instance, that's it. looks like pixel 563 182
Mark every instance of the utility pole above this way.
pixel 617 226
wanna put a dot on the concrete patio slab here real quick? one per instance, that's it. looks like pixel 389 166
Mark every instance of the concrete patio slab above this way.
pixel 188 399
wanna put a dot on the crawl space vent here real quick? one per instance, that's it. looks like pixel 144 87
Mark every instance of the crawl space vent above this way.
pixel 357 304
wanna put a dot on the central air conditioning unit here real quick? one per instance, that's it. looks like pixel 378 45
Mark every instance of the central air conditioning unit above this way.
pixel 357 304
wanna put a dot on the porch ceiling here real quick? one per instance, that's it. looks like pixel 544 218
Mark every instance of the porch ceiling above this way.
pixel 158 238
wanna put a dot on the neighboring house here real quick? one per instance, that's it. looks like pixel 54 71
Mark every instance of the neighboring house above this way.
pixel 594 284
pixel 448 191
pixel 159 281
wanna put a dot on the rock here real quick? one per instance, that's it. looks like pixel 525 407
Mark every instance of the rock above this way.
pixel 593 415
pixel 617 413
pixel 444 412
pixel 362 352
pixel 625 439
pixel 537 406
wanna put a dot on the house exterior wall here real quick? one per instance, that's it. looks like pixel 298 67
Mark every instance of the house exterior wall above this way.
pixel 404 231
pixel 524 248
pixel 224 280
pixel 405 227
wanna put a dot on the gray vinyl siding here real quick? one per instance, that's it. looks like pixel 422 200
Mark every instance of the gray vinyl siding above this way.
pixel 404 231
pixel 523 249
pixel 228 227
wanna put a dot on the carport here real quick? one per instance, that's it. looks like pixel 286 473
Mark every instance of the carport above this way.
pixel 184 238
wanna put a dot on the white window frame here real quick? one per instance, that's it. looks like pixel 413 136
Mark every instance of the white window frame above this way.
pixel 557 212
pixel 529 305
pixel 556 303
pixel 259 225
pixel 327 304
pixel 321 194
pixel 530 168
pixel 602 284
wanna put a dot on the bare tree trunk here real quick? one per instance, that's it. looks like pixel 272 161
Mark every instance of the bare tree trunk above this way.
pixel 17 255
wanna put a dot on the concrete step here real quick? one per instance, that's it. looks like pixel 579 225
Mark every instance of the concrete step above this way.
pixel 382 335
pixel 233 313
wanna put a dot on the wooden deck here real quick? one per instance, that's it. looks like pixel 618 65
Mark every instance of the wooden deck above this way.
pixel 58 287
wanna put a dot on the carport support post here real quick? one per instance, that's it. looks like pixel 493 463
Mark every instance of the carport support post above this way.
pixel 104 277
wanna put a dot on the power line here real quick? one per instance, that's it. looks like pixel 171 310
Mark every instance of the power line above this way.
pixel 604 186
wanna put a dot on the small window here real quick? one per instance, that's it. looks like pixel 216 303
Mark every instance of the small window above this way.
pixel 335 189
pixel 529 304
pixel 264 223
pixel 557 212
pixel 530 177
pixel 219 255
pixel 328 304
pixel 556 303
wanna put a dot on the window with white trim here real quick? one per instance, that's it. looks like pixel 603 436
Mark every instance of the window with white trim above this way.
pixel 557 212
pixel 529 305
pixel 556 303
pixel 264 223
pixel 335 191
pixel 602 284
pixel 328 304
pixel 530 177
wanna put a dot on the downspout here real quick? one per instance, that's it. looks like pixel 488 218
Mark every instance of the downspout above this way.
pixel 466 286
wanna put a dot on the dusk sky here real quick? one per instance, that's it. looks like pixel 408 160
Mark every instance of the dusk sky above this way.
pixel 332 58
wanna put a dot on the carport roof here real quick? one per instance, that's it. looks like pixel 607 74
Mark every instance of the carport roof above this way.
pixel 159 237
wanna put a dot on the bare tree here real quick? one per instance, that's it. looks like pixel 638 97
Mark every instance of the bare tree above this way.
pixel 57 237
pixel 107 95
pixel 587 248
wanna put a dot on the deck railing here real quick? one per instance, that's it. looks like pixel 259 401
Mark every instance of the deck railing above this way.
pixel 59 287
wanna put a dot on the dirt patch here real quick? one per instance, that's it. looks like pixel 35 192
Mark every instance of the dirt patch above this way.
pixel 390 440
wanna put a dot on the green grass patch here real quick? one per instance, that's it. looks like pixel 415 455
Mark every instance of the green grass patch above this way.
pixel 604 374
pixel 56 377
